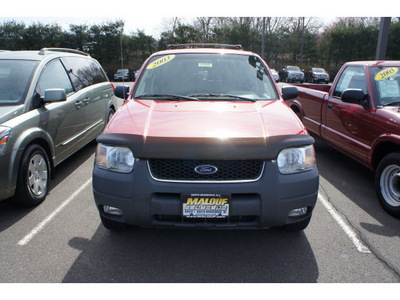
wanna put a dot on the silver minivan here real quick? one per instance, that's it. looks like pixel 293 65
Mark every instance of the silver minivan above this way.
pixel 52 103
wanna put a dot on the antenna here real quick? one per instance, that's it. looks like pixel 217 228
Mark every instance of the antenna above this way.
pixel 122 58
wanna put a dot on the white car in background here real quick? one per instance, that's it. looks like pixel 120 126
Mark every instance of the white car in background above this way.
pixel 275 75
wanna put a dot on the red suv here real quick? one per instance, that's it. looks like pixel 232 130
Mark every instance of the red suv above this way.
pixel 205 140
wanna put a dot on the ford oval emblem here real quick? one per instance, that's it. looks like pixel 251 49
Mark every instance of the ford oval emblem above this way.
pixel 206 169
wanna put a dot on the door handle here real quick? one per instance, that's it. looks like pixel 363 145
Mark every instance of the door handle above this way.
pixel 78 104
pixel 86 101
pixel 330 105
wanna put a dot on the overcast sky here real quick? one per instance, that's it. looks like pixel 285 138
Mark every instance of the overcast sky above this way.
pixel 151 16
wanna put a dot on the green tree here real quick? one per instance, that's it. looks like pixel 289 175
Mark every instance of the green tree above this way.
pixel 11 35
pixel 38 35
pixel 78 37
pixel 105 40
pixel 351 39
pixel 393 49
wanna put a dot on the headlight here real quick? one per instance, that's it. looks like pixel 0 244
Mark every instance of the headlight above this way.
pixel 114 158
pixel 295 160
pixel 4 136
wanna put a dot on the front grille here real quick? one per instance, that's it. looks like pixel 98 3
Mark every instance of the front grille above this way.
pixel 228 170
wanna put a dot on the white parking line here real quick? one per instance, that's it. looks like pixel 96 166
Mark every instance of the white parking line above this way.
pixel 361 247
pixel 344 225
pixel 50 217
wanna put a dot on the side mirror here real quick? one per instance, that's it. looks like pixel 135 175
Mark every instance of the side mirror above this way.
pixel 54 95
pixel 289 92
pixel 353 96
pixel 122 92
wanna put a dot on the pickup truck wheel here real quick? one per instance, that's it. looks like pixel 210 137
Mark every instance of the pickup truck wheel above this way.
pixel 387 183
pixel 33 177
pixel 113 225
pixel 298 226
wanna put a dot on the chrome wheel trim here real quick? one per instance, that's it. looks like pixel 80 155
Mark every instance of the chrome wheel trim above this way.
pixel 37 175
pixel 390 185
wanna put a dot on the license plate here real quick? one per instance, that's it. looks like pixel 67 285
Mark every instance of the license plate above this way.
pixel 205 206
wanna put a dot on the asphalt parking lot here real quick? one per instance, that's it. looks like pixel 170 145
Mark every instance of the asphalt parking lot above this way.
pixel 350 238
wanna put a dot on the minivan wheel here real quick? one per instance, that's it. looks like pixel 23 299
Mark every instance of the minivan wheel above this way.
pixel 33 177
pixel 387 183
pixel 111 113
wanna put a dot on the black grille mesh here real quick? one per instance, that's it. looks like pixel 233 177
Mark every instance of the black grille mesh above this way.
pixel 183 170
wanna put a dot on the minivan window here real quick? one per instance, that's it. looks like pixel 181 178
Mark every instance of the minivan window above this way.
pixel 97 73
pixel 79 71
pixel 15 76
pixel 54 76
pixel 206 76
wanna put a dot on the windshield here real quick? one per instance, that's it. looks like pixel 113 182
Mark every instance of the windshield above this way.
pixel 124 71
pixel 293 69
pixel 15 76
pixel 205 77
pixel 386 85
pixel 318 70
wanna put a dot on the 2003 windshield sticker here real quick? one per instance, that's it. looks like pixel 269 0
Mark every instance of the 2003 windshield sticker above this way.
pixel 161 61
pixel 386 73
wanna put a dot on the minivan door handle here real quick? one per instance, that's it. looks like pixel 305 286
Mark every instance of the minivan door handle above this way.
pixel 78 104
pixel 86 101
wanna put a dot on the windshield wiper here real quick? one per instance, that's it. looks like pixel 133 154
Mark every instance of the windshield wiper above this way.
pixel 224 96
pixel 169 96
pixel 395 103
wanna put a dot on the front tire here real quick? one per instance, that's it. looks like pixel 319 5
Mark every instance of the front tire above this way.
pixel 33 177
pixel 387 183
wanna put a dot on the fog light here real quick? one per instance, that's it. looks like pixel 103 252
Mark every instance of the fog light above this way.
pixel 298 212
pixel 112 210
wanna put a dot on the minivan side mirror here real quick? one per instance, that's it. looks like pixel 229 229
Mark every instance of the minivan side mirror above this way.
pixel 54 95
pixel 289 92
pixel 122 92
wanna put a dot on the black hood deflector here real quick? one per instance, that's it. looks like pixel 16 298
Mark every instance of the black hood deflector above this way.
pixel 205 148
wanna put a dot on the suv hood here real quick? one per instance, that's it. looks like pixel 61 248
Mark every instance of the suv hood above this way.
pixel 206 130
pixel 208 119
pixel 9 112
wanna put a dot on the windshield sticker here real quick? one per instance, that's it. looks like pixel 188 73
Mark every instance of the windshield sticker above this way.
pixel 388 89
pixel 161 61
pixel 386 73
pixel 205 65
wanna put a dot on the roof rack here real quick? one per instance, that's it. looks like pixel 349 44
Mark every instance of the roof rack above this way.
pixel 204 45
pixel 43 51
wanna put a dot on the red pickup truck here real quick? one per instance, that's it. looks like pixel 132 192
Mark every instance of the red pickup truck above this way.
pixel 359 114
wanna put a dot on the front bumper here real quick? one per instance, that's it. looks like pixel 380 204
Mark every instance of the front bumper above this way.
pixel 7 182
pixel 296 77
pixel 120 78
pixel 147 202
